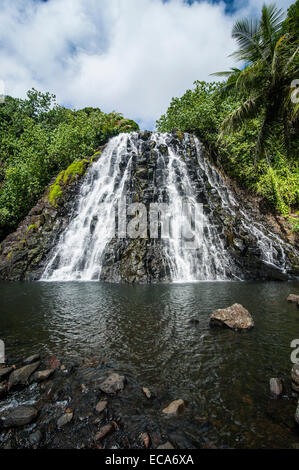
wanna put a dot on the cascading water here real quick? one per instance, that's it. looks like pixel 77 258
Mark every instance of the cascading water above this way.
pixel 155 168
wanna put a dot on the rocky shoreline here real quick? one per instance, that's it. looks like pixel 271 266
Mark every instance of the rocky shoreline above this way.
pixel 49 403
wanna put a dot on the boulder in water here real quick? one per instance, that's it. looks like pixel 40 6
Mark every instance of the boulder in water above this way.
pixel 235 317
pixel 113 384
pixel 21 376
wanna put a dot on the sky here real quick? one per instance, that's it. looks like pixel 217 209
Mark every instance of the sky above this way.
pixel 130 56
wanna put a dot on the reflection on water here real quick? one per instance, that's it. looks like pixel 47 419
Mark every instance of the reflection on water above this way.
pixel 160 334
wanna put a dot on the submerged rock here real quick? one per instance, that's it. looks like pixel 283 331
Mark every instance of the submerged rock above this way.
pixel 276 387
pixel 175 407
pixel 64 419
pixel 292 298
pixel 100 407
pixel 31 359
pixel 104 431
pixel 235 317
pixel 20 416
pixel 41 375
pixel 35 438
pixel 113 384
pixel 21 376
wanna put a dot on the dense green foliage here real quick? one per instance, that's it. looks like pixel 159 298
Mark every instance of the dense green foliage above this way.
pixel 248 122
pixel 38 139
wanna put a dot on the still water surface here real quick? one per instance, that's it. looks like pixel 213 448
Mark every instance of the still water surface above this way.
pixel 160 335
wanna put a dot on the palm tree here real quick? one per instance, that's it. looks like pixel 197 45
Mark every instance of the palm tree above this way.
pixel 271 64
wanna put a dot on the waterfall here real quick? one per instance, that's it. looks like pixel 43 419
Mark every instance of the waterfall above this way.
pixel 155 168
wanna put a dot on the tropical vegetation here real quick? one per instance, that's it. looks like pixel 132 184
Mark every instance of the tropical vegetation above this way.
pixel 38 139
pixel 249 122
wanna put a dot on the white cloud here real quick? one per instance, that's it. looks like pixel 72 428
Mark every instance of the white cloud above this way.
pixel 132 56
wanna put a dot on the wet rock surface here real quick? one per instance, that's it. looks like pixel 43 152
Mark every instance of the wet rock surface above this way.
pixel 21 376
pixel 235 317
pixel 20 416
pixel 79 405
pixel 245 238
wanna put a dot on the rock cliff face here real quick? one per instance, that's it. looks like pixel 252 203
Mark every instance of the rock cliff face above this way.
pixel 66 236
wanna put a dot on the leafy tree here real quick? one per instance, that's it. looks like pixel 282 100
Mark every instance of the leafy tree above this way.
pixel 38 139
pixel 271 66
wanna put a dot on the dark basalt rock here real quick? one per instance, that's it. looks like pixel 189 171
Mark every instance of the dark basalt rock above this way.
pixel 24 253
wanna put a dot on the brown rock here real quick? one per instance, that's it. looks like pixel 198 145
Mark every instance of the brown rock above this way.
pixel 175 407
pixel 147 392
pixel 53 362
pixel 101 406
pixel 235 317
pixel 104 431
pixel 21 376
pixel 41 375
pixel 295 387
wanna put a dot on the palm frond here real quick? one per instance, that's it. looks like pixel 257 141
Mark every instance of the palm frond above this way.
pixel 270 25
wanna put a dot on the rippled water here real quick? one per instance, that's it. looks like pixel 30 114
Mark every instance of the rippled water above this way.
pixel 160 335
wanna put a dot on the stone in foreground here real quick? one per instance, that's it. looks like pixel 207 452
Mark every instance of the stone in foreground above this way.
pixel 276 387
pixel 175 407
pixel 64 419
pixel 104 431
pixel 21 376
pixel 235 317
pixel 113 384
pixel 294 299
pixel 31 359
pixel 100 407
pixel 20 416
pixel 41 375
